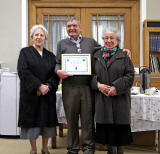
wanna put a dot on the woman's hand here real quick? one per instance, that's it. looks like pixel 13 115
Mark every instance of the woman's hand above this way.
pixel 103 88
pixel 112 91
pixel 43 89
pixel 39 92
pixel 106 89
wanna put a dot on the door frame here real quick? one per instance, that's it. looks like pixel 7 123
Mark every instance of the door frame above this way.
pixel 133 5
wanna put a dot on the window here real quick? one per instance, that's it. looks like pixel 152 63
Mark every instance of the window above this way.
pixel 102 22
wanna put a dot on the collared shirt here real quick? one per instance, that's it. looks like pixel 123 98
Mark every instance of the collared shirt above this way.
pixel 77 42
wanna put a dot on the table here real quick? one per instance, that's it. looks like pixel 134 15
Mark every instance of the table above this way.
pixel 59 108
pixel 145 113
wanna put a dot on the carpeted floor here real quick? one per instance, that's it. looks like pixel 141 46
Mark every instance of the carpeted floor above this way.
pixel 17 146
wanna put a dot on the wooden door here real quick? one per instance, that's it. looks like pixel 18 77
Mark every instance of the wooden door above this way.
pixel 91 19
pixel 90 12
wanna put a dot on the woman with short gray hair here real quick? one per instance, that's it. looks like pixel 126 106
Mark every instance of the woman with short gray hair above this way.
pixel 38 85
pixel 35 27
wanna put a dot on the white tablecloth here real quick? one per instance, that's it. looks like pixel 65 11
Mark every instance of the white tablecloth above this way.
pixel 60 109
pixel 145 112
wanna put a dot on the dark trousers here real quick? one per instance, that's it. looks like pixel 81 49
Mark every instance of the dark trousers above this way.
pixel 77 103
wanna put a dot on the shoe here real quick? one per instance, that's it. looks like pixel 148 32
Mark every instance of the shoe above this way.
pixel 45 152
pixel 71 152
pixel 33 152
pixel 88 151
pixel 112 150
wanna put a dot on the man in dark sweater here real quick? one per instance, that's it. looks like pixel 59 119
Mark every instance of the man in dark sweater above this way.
pixel 76 92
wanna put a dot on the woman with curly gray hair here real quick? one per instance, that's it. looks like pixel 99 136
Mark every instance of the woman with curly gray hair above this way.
pixel 113 77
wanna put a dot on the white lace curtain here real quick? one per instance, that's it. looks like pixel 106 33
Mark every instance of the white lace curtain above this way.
pixel 56 26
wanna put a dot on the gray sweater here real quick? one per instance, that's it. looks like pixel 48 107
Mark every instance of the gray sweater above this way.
pixel 66 46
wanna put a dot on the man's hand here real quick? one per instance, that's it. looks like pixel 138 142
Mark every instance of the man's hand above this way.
pixel 128 52
pixel 63 74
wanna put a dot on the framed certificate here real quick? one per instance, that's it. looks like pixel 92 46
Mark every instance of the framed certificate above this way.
pixel 76 64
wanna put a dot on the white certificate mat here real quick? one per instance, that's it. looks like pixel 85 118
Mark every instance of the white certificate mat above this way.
pixel 77 64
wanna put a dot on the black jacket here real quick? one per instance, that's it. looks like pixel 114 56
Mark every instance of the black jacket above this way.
pixel 33 70
pixel 119 73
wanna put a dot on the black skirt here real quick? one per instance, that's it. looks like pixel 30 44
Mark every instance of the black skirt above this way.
pixel 113 134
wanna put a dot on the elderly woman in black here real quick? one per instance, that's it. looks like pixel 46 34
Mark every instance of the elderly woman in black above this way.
pixel 114 75
pixel 38 85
